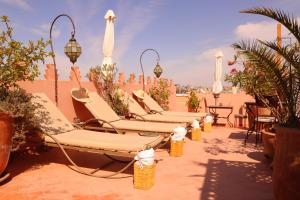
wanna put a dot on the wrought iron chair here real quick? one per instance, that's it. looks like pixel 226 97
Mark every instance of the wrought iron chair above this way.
pixel 262 117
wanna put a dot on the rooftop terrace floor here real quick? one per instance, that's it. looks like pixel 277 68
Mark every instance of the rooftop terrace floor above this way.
pixel 217 167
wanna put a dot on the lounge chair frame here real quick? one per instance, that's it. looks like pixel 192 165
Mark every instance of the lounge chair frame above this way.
pixel 99 150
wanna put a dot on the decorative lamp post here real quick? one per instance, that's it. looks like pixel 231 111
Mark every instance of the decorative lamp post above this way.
pixel 72 50
pixel 157 70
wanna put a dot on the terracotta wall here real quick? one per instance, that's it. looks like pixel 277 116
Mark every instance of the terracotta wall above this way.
pixel 228 99
pixel 73 109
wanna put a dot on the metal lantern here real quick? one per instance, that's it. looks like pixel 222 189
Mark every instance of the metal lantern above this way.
pixel 157 70
pixel 72 50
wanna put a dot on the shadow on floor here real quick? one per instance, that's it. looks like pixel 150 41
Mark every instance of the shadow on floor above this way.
pixel 25 161
pixel 233 144
pixel 232 179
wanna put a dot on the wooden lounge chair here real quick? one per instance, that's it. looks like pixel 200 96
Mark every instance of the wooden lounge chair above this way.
pixel 137 112
pixel 59 132
pixel 154 107
pixel 108 119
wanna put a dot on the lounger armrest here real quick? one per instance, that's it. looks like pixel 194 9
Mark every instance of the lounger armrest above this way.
pixel 155 112
pixel 136 116
pixel 77 125
pixel 101 122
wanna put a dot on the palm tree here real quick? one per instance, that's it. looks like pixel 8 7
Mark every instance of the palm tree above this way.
pixel 280 65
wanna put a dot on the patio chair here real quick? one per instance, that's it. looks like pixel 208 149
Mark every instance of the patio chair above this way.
pixel 137 112
pixel 108 120
pixel 262 117
pixel 59 132
pixel 154 107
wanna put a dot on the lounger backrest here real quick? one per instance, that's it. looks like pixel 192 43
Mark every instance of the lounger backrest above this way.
pixel 51 120
pixel 133 106
pixel 100 109
pixel 148 101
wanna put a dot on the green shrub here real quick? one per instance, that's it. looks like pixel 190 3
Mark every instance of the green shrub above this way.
pixel 103 79
pixel 18 62
pixel 161 93
pixel 193 101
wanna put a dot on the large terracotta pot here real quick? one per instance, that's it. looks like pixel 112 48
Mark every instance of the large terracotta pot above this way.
pixel 6 133
pixel 269 143
pixel 286 173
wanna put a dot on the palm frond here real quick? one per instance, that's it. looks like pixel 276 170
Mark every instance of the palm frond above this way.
pixel 266 60
pixel 290 22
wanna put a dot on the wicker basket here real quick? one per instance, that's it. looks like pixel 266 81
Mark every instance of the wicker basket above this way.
pixel 143 178
pixel 176 148
pixel 207 127
pixel 196 134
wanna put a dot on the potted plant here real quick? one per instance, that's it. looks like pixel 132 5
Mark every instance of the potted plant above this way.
pixel 234 77
pixel 280 66
pixel 193 101
pixel 18 62
pixel 161 93
pixel 6 128
pixel 103 78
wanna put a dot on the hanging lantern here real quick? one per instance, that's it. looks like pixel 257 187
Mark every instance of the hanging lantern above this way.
pixel 157 70
pixel 72 50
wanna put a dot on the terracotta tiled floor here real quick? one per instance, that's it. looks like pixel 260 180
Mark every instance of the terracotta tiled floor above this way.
pixel 217 167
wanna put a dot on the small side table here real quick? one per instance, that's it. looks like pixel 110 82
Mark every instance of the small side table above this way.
pixel 213 111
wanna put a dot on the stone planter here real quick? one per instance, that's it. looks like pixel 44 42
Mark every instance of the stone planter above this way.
pixel 286 173
pixel 6 130
pixel 234 89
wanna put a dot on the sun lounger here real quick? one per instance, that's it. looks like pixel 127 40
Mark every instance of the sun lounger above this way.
pixel 138 112
pixel 59 132
pixel 154 107
pixel 108 119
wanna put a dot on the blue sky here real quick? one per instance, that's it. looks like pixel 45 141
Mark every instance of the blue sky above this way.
pixel 187 34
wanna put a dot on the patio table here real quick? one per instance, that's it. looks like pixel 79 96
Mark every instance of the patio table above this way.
pixel 213 110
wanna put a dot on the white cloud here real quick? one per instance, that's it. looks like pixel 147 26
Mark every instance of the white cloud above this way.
pixel 197 69
pixel 264 30
pixel 23 4
pixel 135 22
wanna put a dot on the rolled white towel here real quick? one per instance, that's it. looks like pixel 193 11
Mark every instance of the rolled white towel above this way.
pixel 145 157
pixel 179 133
pixel 208 119
pixel 195 124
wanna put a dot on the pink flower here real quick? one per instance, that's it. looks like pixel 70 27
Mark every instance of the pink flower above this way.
pixel 233 71
pixel 21 64
pixel 231 62
pixel 260 74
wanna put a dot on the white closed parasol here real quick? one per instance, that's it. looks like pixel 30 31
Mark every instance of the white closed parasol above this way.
pixel 109 40
pixel 217 85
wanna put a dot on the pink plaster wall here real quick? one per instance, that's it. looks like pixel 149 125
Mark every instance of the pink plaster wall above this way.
pixel 72 109
pixel 228 99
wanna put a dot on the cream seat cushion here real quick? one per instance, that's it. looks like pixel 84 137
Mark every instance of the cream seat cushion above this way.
pixel 105 141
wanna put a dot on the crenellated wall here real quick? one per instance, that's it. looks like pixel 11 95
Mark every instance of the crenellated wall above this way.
pixel 73 109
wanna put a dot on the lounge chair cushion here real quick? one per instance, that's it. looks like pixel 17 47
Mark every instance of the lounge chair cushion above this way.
pixel 52 121
pixel 101 110
pixel 142 126
pixel 150 103
pixel 134 107
pixel 153 105
pixel 105 141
